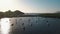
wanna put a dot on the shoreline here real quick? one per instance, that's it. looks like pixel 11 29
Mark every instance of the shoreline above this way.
pixel 45 16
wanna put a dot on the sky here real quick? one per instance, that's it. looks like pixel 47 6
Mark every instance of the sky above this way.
pixel 31 6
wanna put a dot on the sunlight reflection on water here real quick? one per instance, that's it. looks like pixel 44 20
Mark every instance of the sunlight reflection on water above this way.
pixel 5 25
pixel 30 25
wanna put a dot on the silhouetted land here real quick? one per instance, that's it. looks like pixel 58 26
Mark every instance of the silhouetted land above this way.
pixel 18 13
pixel 51 15
pixel 10 13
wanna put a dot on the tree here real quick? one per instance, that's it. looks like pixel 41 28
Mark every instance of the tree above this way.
pixel 18 13
pixel 8 13
pixel 1 14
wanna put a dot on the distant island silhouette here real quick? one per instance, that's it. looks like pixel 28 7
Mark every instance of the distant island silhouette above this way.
pixel 18 13
pixel 9 13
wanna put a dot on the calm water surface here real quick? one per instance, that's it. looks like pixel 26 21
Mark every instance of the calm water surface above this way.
pixel 29 25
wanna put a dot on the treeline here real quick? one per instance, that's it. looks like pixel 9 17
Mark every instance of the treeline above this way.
pixel 10 13
pixel 18 13
pixel 51 15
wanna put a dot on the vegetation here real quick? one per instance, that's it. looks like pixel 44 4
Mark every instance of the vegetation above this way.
pixel 1 14
pixel 18 13
pixel 51 15
pixel 10 13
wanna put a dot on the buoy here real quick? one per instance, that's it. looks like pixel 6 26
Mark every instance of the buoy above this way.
pixel 46 21
pixel 24 28
pixel 22 23
pixel 12 24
